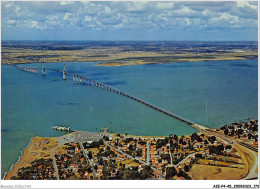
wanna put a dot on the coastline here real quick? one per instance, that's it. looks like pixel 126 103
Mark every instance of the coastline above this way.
pixel 174 61
pixel 33 151
pixel 14 167
pixel 119 63
pixel 23 158
pixel 117 58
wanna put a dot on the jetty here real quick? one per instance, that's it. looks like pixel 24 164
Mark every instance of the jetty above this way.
pixel 61 128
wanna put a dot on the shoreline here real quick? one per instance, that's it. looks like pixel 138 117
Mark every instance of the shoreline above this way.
pixel 37 141
pixel 35 147
pixel 15 166
pixel 118 57
pixel 26 151
pixel 120 63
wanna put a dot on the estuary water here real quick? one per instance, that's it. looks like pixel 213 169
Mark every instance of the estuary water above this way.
pixel 31 103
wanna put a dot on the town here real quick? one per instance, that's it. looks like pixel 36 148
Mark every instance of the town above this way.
pixel 105 156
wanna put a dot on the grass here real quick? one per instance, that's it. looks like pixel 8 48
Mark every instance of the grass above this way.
pixel 208 172
pixel 129 162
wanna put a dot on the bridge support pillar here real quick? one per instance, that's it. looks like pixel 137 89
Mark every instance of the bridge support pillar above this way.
pixel 43 70
pixel 64 72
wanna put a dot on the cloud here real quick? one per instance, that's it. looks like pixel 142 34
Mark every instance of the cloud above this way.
pixel 88 19
pixel 184 11
pixel 128 16
pixel 11 22
pixel 67 16
pixel 224 20
pixel 246 4
pixel 164 5
pixel 136 6
pixel 208 13
pixel 66 2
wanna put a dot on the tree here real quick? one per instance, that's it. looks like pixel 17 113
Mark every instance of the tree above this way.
pixel 194 136
pixel 165 156
pixel 90 155
pixel 183 174
pixel 226 131
pixel 131 147
pixel 212 139
pixel 198 156
pixel 130 174
pixel 175 137
pixel 160 143
pixel 100 161
pixel 216 149
pixel 186 168
pixel 166 140
pixel 101 142
pixel 139 152
pixel 199 139
pixel 94 144
pixel 142 142
pixel 146 172
pixel 232 132
pixel 105 171
pixel 170 172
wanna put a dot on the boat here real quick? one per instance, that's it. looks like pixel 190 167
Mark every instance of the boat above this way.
pixel 61 128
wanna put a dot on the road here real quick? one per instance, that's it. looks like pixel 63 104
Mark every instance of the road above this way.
pixel 130 157
pixel 86 156
pixel 148 153
pixel 251 173
pixel 186 158
pixel 170 155
pixel 54 163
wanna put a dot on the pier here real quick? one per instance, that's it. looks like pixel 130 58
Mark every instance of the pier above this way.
pixel 87 81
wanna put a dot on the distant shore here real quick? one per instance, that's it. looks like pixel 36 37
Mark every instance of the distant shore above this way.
pixel 177 60
pixel 119 56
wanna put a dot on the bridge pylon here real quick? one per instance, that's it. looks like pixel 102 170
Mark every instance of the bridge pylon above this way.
pixel 64 72
pixel 43 70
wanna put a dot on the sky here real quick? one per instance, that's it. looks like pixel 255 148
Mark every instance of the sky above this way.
pixel 130 20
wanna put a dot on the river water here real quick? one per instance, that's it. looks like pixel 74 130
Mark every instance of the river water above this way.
pixel 31 104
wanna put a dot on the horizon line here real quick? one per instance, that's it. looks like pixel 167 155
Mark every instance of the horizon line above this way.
pixel 131 40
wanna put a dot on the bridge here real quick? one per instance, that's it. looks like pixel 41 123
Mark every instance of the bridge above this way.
pixel 87 81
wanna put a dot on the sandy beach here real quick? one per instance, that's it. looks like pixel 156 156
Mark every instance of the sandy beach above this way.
pixel 39 147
